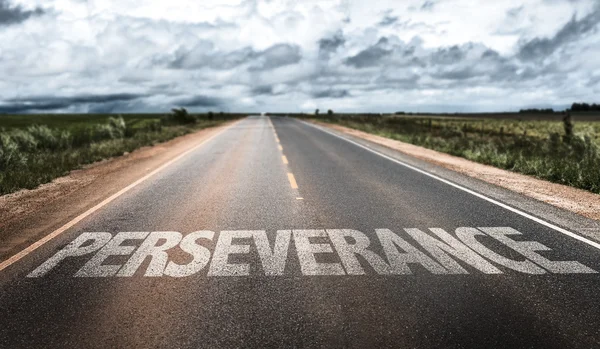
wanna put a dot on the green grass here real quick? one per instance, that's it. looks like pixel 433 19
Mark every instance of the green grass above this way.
pixel 536 148
pixel 35 149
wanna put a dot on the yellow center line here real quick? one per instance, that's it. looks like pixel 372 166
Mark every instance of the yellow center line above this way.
pixel 292 181
pixel 291 177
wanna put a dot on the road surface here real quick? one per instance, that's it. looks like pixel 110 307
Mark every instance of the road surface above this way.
pixel 275 233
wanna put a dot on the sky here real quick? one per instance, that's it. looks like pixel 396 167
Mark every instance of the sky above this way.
pixel 111 56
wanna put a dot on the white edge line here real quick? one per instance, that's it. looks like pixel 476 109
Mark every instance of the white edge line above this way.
pixel 481 196
pixel 13 259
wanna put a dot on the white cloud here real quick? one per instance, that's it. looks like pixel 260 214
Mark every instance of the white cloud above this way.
pixel 259 55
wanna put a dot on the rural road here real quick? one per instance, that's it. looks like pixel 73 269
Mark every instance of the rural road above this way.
pixel 275 233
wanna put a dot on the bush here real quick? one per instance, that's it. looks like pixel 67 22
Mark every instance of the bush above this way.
pixel 44 137
pixel 10 155
pixel 25 140
pixel 118 126
pixel 114 129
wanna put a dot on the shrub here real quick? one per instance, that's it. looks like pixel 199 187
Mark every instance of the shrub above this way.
pixel 10 155
pixel 44 136
pixel 115 128
pixel 118 126
pixel 25 140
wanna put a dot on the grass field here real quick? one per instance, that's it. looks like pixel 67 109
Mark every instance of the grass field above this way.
pixel 35 149
pixel 545 149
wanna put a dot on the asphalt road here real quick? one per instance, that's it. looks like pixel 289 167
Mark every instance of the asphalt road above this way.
pixel 241 244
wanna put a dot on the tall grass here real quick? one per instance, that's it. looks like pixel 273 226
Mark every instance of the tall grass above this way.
pixel 37 154
pixel 550 150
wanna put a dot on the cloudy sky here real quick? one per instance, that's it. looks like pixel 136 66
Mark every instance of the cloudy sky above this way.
pixel 251 55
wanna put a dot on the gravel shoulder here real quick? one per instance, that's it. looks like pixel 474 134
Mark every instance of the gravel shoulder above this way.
pixel 574 200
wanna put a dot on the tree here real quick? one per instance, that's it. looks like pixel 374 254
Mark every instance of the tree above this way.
pixel 181 116
pixel 585 107
pixel 317 112
pixel 330 112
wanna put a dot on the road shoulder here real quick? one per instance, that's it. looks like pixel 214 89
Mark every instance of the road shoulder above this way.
pixel 571 208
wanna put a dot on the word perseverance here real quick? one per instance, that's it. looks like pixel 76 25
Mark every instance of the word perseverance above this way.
pixel 438 253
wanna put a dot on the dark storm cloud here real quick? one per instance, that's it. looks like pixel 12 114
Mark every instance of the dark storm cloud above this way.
pixel 331 93
pixel 119 107
pixel 16 14
pixel 448 55
pixel 572 31
pixel 198 101
pixel 370 56
pixel 328 46
pixel 273 57
pixel 198 58
pixel 458 74
pixel 277 56
pixel 262 90
pixel 460 63
pixel 48 103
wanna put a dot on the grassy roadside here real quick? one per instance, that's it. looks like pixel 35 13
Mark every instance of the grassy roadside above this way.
pixel 33 152
pixel 560 152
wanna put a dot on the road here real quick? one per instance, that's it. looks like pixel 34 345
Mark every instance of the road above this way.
pixel 275 233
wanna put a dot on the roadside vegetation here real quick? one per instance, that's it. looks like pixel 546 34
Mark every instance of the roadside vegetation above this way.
pixel 566 152
pixel 36 149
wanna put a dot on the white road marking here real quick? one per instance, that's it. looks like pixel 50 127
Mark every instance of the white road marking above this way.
pixel 10 261
pixel 481 196
pixel 437 252
pixel 307 251
pixel 225 247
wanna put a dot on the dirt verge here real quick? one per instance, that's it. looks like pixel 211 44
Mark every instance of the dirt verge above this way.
pixel 575 200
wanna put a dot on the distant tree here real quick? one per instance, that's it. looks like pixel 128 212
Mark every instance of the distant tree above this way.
pixel 182 116
pixel 585 107
pixel 210 115
pixel 536 111
pixel 316 111
pixel 330 112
